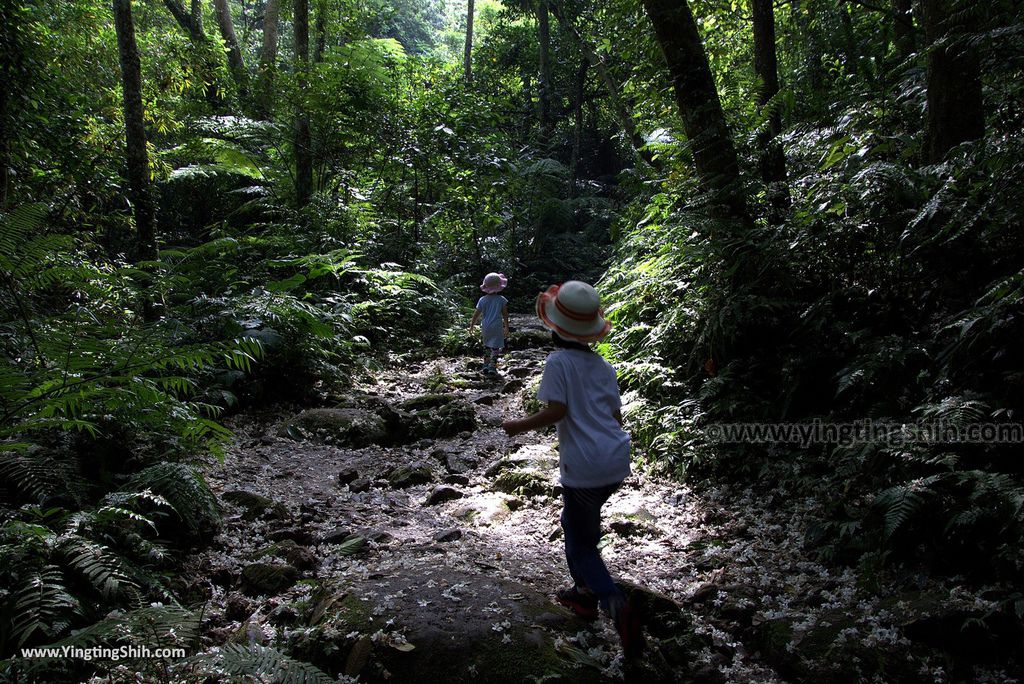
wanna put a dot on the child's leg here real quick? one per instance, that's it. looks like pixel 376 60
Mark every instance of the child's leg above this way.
pixel 581 522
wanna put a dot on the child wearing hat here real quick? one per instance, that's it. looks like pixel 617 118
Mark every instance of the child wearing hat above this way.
pixel 582 395
pixel 492 313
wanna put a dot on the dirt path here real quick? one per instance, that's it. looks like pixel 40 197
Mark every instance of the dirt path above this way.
pixel 434 558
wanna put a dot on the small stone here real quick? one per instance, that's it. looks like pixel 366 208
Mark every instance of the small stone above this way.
pixel 297 556
pixel 457 464
pixel 442 494
pixel 360 485
pixel 238 607
pixel 266 440
pixel 555 534
pixel 485 400
pixel 512 386
pixel 348 476
pixel 515 503
pixel 704 592
pixel 409 476
pixel 284 615
pixel 255 505
pixel 336 536
pixel 520 372
pixel 626 528
pixel 457 480
pixel 448 536
pixel 380 537
pixel 223 576
pixel 299 535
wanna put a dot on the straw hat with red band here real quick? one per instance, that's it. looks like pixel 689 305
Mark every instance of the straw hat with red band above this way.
pixel 573 310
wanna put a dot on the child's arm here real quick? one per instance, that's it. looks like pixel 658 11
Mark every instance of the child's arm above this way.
pixel 548 415
pixel 504 314
pixel 476 317
pixel 618 416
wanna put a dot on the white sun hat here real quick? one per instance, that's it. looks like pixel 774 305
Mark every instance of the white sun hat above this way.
pixel 573 310
pixel 494 283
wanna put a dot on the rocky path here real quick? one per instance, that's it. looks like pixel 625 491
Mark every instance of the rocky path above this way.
pixel 400 536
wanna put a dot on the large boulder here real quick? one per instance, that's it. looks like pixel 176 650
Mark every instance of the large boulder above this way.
pixel 432 416
pixel 255 505
pixel 267 579
pixel 353 427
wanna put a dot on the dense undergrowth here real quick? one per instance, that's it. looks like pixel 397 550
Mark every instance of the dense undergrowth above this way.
pixel 889 292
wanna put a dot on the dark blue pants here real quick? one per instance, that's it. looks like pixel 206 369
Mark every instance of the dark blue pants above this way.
pixel 581 524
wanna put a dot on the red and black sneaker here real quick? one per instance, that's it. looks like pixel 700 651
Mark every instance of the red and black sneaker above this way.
pixel 581 603
pixel 629 625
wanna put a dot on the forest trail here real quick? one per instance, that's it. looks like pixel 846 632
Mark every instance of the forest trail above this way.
pixel 435 558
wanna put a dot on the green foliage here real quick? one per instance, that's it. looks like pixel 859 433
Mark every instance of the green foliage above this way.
pixel 263 662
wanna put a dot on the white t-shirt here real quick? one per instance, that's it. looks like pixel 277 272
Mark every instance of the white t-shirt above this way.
pixel 593 448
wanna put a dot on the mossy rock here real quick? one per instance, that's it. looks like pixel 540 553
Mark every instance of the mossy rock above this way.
pixel 267 579
pixel 525 482
pixel 529 338
pixel 299 557
pixel 255 505
pixel 354 427
pixel 446 419
pixel 410 476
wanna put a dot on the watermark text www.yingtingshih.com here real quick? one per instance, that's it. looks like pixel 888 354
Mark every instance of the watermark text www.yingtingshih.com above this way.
pixel 107 653
pixel 889 433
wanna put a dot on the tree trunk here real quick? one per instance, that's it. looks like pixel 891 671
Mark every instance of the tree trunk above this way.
pixel 704 122
pixel 137 157
pixel 467 60
pixel 544 61
pixel 268 57
pixel 227 32
pixel 577 129
pixel 850 52
pixel 903 28
pixel 8 54
pixel 773 161
pixel 954 111
pixel 303 156
pixel 803 17
pixel 320 31
pixel 622 114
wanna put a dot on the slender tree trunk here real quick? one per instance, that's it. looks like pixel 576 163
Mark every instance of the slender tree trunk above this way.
pixel 268 57
pixel 320 31
pixel 227 32
pixel 303 156
pixel 577 129
pixel 954 111
pixel 903 26
pixel 773 161
pixel 467 60
pixel 10 54
pixel 544 61
pixel 612 90
pixel 704 122
pixel 803 17
pixel 137 158
pixel 850 52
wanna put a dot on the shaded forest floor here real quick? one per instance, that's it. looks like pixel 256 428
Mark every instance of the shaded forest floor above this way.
pixel 399 535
